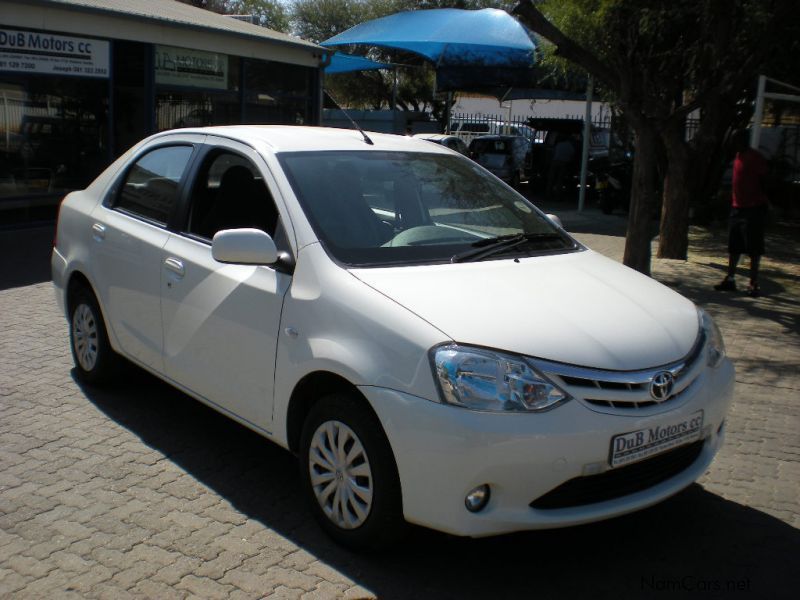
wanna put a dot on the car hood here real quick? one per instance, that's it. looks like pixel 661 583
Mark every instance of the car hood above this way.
pixel 578 308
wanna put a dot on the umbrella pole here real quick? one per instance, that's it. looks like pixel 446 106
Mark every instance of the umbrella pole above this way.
pixel 447 114
pixel 394 89
pixel 587 132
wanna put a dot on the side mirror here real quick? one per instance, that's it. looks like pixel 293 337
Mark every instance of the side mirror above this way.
pixel 244 247
pixel 556 220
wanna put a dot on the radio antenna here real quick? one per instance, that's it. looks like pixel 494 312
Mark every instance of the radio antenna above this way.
pixel 349 118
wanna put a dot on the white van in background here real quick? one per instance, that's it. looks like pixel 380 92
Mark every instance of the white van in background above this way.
pixel 467 130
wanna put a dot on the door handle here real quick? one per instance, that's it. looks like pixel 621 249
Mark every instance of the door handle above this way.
pixel 175 265
pixel 99 232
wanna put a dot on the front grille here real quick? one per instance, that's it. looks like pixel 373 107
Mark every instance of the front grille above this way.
pixel 621 392
pixel 631 405
pixel 620 482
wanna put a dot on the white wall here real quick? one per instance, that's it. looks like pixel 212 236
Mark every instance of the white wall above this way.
pixel 482 105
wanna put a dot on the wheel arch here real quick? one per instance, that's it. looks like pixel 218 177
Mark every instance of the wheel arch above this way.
pixel 307 392
pixel 78 279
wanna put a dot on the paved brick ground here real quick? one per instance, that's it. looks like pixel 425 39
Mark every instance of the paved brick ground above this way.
pixel 141 492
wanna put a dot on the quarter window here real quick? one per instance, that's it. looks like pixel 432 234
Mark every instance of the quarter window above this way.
pixel 151 186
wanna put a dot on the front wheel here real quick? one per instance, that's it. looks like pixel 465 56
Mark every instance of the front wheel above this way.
pixel 95 360
pixel 349 474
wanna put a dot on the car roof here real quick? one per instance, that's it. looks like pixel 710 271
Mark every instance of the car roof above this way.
pixel 296 138
pixel 505 138
pixel 435 136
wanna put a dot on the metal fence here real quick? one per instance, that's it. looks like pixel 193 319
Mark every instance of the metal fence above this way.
pixel 535 128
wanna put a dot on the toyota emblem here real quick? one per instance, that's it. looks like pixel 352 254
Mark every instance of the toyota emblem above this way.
pixel 661 386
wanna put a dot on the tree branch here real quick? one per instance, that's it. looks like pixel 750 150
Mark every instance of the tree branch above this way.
pixel 531 17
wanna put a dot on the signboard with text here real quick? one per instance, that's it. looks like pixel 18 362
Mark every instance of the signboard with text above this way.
pixel 39 52
pixel 194 68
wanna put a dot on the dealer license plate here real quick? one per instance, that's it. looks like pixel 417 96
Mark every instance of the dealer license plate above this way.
pixel 631 447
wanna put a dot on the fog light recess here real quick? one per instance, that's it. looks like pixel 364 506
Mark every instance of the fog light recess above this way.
pixel 478 498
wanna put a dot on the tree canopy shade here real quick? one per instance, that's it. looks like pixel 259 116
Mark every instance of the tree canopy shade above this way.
pixel 448 36
pixel 660 61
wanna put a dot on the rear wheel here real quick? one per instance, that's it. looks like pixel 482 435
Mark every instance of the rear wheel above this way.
pixel 95 360
pixel 349 474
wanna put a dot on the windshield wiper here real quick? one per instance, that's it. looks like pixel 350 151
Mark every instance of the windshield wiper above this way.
pixel 490 246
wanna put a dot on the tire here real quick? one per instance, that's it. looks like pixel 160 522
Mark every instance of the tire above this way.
pixel 370 516
pixel 95 361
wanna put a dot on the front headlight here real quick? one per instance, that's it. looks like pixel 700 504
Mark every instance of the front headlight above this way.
pixel 482 379
pixel 714 341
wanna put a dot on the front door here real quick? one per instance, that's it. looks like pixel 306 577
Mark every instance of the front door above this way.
pixel 221 322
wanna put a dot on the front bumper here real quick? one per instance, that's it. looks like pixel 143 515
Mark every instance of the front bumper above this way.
pixel 443 452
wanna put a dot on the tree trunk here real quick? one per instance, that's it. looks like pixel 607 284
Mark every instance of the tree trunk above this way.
pixel 680 182
pixel 643 192
pixel 694 170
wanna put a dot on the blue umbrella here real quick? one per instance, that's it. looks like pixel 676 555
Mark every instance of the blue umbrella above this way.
pixel 347 63
pixel 448 37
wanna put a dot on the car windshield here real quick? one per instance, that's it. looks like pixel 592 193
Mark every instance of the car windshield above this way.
pixel 372 208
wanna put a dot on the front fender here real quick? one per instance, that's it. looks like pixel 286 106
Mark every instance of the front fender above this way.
pixel 333 322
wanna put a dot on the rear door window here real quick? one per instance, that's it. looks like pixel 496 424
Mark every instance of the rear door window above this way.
pixel 150 189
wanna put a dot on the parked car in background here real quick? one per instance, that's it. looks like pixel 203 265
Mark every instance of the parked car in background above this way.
pixel 606 152
pixel 468 130
pixel 431 346
pixel 448 141
pixel 504 155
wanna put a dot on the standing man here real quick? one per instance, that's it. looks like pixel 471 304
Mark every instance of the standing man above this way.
pixel 748 213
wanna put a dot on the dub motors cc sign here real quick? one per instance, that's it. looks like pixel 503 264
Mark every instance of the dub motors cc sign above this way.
pixel 45 53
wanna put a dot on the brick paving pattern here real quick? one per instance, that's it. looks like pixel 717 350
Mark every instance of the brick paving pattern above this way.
pixel 140 492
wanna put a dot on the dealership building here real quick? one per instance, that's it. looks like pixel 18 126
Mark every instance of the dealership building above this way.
pixel 83 80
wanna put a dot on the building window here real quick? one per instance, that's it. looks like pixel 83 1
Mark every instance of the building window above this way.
pixel 53 134
pixel 195 88
pixel 277 93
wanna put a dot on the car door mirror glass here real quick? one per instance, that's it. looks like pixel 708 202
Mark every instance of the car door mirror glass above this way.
pixel 244 247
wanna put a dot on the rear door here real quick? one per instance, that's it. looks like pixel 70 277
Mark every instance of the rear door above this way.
pixel 221 321
pixel 129 231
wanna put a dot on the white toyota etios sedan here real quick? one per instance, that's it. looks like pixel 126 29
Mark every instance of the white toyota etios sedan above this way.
pixel 432 347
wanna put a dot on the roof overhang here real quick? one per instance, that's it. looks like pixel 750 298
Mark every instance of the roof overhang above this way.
pixel 160 22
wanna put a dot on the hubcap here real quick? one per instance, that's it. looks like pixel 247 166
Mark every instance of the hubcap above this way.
pixel 84 337
pixel 340 474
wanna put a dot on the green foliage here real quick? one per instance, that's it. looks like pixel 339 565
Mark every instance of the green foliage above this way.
pixel 267 13
pixel 678 49
pixel 318 20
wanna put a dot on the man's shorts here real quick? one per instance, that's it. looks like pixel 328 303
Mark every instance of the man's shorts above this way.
pixel 746 235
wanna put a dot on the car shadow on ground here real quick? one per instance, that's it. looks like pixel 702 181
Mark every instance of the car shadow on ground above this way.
pixel 696 544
